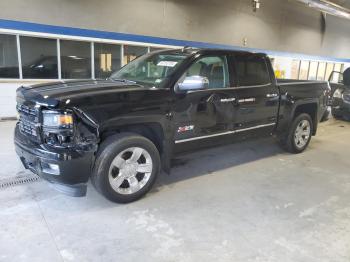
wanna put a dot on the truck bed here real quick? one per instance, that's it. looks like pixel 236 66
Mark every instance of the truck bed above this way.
pixel 315 93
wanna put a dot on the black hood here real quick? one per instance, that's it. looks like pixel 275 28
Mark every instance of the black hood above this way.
pixel 51 94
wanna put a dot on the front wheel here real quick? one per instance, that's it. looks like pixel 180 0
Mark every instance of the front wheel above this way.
pixel 126 167
pixel 299 135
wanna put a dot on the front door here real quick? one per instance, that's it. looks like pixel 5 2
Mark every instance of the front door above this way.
pixel 201 114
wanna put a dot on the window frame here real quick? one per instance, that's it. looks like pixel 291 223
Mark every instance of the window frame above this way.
pixel 307 69
pixel 93 58
pixel 58 39
pixel 311 69
pixel 14 49
pixel 88 59
pixel 319 68
pixel 125 55
pixel 298 68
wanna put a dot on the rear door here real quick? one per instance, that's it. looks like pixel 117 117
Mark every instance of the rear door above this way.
pixel 257 95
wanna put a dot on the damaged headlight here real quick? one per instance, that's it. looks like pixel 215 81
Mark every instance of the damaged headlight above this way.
pixel 58 127
pixel 54 119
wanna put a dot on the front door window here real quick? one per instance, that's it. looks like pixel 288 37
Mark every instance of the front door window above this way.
pixel 214 68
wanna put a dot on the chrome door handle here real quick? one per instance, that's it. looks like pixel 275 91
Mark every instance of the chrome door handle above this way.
pixel 271 95
pixel 227 100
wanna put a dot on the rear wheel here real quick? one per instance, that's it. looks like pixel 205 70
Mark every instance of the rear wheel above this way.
pixel 126 167
pixel 299 135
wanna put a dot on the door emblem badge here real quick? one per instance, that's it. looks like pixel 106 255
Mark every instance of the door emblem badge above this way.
pixel 247 100
pixel 182 129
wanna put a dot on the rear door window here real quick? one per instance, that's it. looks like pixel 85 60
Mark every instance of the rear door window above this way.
pixel 251 70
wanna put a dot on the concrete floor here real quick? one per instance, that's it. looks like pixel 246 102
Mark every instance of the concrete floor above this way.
pixel 242 202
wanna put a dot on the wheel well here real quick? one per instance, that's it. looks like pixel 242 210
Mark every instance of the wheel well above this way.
pixel 311 110
pixel 152 131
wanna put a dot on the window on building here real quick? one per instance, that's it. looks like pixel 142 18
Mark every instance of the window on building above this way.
pixel 295 69
pixel 329 70
pixel 107 59
pixel 342 68
pixel 8 57
pixel 286 68
pixel 252 71
pixel 321 71
pixel 304 70
pixel 313 71
pixel 279 67
pixel 131 52
pixel 39 57
pixel 212 67
pixel 338 67
pixel 75 59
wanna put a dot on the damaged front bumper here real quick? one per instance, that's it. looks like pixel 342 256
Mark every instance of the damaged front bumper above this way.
pixel 67 169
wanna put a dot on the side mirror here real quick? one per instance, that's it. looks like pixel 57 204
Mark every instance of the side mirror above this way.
pixel 194 83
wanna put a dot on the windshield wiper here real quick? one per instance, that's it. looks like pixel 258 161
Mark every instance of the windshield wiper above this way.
pixel 122 80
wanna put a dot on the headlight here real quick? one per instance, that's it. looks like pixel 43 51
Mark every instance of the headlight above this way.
pixel 54 119
pixel 338 94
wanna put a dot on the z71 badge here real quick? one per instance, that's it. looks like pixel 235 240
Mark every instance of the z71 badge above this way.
pixel 182 129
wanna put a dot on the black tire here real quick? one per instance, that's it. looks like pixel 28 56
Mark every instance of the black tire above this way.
pixel 109 149
pixel 288 141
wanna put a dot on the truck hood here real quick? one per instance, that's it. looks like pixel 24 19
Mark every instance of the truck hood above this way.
pixel 51 94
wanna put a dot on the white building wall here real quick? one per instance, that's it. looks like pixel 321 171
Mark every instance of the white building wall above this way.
pixel 280 25
pixel 8 98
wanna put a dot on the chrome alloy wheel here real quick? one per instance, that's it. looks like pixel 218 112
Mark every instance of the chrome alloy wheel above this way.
pixel 302 134
pixel 130 170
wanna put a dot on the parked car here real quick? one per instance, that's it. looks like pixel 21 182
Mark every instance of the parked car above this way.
pixel 341 95
pixel 121 131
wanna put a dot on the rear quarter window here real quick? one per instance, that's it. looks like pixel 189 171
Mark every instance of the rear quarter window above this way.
pixel 251 70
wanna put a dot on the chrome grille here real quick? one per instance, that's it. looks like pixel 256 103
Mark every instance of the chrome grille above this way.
pixel 28 120
pixel 27 127
pixel 26 110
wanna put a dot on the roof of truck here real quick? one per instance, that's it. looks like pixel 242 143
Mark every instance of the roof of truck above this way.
pixel 192 50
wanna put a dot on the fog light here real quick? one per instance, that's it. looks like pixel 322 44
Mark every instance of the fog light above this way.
pixel 52 169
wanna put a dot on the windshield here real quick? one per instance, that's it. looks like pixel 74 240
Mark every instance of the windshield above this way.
pixel 151 69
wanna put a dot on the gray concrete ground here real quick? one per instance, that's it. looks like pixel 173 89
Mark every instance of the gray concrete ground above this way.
pixel 242 202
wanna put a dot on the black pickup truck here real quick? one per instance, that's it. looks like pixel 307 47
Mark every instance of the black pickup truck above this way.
pixel 122 131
